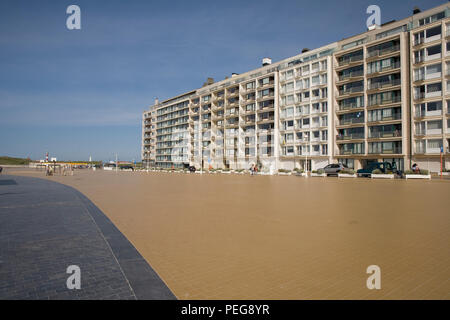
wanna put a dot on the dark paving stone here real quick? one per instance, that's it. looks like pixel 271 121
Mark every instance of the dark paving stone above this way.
pixel 7 182
pixel 45 227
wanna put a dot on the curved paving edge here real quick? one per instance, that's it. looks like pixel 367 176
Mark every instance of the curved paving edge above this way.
pixel 33 231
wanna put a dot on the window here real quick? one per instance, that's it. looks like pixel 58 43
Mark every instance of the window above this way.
pixel 434 50
pixel 290 87
pixel 250 85
pixel 430 19
pixel 315 80
pixel 434 125
pixel 434 144
pixel 289 75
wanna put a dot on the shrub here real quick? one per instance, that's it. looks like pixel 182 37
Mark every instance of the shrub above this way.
pixel 376 171
pixel 283 171
pixel 347 171
pixel 239 170
pixel 299 170
pixel 422 172
pixel 314 171
pixel 320 171
pixel 225 170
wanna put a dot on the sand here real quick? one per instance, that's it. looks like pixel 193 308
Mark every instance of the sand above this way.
pixel 280 237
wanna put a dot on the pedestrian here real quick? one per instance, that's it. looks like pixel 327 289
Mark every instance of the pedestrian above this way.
pixel 1 169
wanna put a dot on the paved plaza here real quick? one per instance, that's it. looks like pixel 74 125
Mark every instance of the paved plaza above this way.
pixel 225 236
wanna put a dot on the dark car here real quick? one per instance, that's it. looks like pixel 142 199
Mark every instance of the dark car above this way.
pixel 334 168
pixel 127 167
pixel 192 169
pixel 384 167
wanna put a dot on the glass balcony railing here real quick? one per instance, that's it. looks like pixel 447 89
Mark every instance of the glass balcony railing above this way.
pixel 349 106
pixel 380 52
pixel 384 84
pixel 379 101
pixel 344 122
pixel 350 136
pixel 352 74
pixel 395 116
pixel 396 150
pixel 385 134
pixel 349 60
pixel 351 90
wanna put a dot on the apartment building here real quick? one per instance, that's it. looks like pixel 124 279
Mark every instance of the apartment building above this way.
pixel 376 96
pixel 430 85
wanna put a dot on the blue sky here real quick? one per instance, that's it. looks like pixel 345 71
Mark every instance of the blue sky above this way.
pixel 81 93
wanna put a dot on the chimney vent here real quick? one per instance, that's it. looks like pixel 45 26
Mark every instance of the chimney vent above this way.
pixel 305 50
pixel 416 10
pixel 234 74
pixel 266 62
pixel 156 101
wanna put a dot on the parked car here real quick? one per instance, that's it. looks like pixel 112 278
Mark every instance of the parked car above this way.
pixel 127 167
pixel 384 167
pixel 334 168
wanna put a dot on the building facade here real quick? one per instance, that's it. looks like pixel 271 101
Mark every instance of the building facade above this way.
pixel 377 96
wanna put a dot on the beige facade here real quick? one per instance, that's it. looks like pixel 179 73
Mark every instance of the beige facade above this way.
pixel 372 97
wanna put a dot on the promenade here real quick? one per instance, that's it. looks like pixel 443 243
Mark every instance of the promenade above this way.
pixel 225 236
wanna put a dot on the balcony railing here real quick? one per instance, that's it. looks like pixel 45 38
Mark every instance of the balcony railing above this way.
pixel 350 152
pixel 384 84
pixel 349 60
pixel 349 106
pixel 395 116
pixel 380 52
pixel 266 119
pixel 351 136
pixel 351 90
pixel 384 101
pixel 396 150
pixel 385 134
pixel 345 122
pixel 352 74
pixel 394 65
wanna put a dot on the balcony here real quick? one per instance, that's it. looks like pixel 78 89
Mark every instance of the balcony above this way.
pixel 350 106
pixel 352 136
pixel 395 116
pixel 393 66
pixel 347 152
pixel 351 90
pixel 424 95
pixel 385 134
pixel 349 60
pixel 346 122
pixel 380 52
pixel 423 113
pixel 266 85
pixel 352 74
pixel 384 84
pixel 272 118
pixel 377 102
pixel 395 150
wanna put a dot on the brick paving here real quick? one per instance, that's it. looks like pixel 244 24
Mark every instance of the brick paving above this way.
pixel 268 237
pixel 46 227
